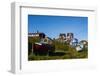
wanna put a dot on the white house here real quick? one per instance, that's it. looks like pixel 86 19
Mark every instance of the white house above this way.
pixel 33 34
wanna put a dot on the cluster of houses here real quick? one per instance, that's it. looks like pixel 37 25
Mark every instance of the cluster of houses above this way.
pixel 71 40
pixel 63 38
pixel 66 38
pixel 43 38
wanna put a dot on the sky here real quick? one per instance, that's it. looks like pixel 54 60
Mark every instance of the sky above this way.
pixel 52 26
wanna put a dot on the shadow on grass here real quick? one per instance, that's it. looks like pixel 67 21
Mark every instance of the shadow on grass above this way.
pixel 57 54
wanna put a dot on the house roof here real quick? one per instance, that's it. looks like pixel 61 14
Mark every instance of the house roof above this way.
pixel 62 34
pixel 32 33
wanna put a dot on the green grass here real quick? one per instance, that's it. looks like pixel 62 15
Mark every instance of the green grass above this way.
pixel 67 55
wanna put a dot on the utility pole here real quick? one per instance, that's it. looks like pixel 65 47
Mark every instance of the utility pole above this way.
pixel 32 46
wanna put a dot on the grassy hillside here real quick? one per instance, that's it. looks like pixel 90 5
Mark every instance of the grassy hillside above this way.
pixel 62 51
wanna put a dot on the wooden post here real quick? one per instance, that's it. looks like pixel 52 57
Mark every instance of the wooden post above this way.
pixel 32 48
